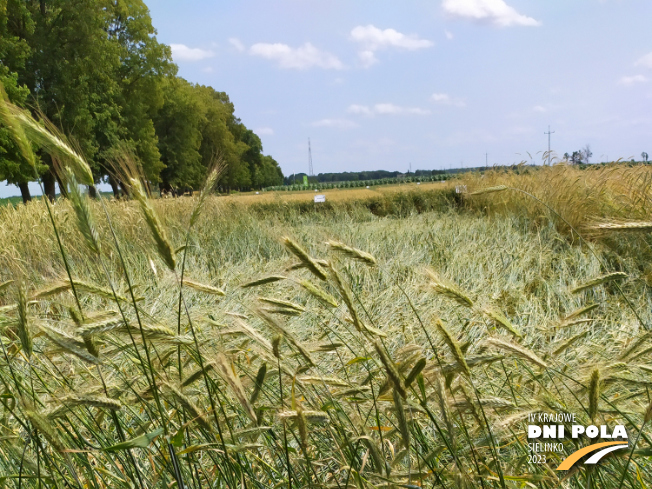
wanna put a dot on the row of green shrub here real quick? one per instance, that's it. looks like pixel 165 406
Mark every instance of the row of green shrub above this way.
pixel 359 183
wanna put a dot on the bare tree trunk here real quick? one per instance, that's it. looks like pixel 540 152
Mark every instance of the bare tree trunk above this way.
pixel 49 185
pixel 124 190
pixel 24 192
pixel 114 187
pixel 92 192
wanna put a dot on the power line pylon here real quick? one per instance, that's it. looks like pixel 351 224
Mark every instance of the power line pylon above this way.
pixel 310 171
pixel 549 133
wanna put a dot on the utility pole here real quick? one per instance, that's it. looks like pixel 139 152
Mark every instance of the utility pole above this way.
pixel 486 160
pixel 310 171
pixel 549 133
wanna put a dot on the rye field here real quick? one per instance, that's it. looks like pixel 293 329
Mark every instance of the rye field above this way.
pixel 392 339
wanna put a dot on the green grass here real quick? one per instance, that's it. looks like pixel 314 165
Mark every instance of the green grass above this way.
pixel 4 201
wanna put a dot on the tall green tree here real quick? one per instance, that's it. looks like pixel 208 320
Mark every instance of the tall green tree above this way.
pixel 268 174
pixel 178 126
pixel 197 124
pixel 218 138
pixel 145 66
pixel 15 26
pixel 96 70
pixel 70 74
pixel 264 170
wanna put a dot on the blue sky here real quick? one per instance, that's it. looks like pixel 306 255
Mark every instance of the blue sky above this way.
pixel 431 84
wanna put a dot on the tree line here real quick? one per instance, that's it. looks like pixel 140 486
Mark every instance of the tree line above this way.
pixel 582 156
pixel 347 176
pixel 96 70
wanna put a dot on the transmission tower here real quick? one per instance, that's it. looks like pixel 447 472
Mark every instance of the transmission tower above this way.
pixel 310 171
pixel 549 133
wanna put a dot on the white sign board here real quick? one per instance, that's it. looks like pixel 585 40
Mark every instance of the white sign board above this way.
pixel 320 198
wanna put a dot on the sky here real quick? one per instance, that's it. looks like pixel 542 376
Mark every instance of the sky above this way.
pixel 422 84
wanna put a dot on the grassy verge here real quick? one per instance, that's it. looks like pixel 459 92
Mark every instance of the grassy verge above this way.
pixel 13 201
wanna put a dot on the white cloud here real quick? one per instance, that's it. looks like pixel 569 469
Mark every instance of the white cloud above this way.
pixel 372 39
pixel 237 44
pixel 338 123
pixel 448 34
pixel 266 131
pixel 539 108
pixel 645 61
pixel 181 52
pixel 441 98
pixel 301 58
pixel 386 109
pixel 445 99
pixel 632 80
pixel 359 109
pixel 367 58
pixel 496 12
